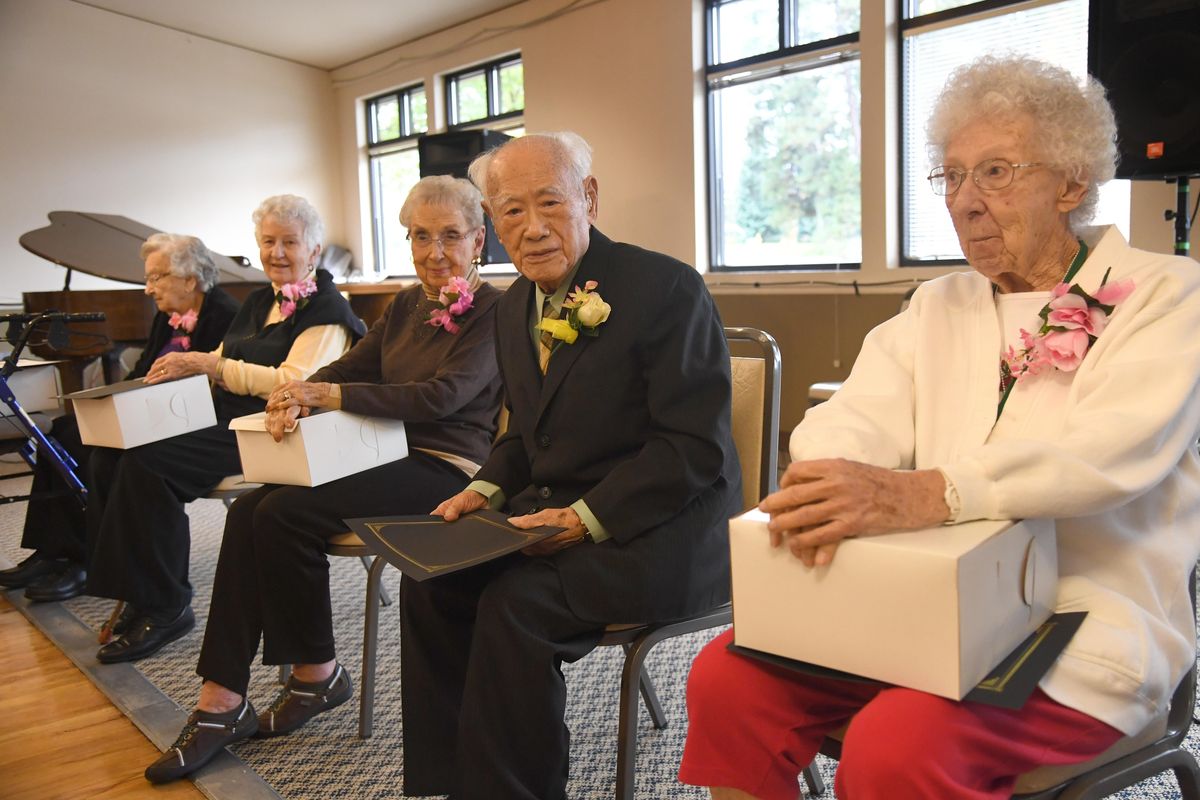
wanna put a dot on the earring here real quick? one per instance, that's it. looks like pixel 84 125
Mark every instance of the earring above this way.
pixel 477 260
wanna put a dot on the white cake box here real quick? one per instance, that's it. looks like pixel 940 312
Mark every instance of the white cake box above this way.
pixel 132 413
pixel 35 385
pixel 324 446
pixel 934 610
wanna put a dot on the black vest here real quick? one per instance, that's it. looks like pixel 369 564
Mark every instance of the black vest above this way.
pixel 248 340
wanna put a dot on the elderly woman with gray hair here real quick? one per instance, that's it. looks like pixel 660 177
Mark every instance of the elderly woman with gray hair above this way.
pixel 193 315
pixel 430 361
pixel 137 529
pixel 1059 380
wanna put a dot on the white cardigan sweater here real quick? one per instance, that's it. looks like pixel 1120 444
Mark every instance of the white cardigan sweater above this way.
pixel 1107 452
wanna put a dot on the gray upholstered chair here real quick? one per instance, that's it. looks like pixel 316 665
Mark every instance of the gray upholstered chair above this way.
pixel 756 438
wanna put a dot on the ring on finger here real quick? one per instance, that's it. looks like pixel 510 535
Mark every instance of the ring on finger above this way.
pixel 287 395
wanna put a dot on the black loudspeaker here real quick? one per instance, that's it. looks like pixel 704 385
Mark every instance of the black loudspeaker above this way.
pixel 450 154
pixel 1147 55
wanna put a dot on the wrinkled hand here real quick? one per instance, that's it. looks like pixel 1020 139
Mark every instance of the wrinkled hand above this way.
pixel 173 366
pixel 825 501
pixel 283 421
pixel 464 502
pixel 559 518
pixel 299 393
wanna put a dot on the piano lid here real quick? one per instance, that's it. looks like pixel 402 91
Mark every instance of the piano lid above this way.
pixel 109 246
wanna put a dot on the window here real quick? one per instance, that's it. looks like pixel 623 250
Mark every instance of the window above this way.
pixel 394 121
pixel 941 35
pixel 784 134
pixel 484 94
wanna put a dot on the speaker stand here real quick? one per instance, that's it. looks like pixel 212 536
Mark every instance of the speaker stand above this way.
pixel 1180 215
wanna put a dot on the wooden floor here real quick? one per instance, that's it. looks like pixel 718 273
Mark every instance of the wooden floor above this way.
pixel 60 738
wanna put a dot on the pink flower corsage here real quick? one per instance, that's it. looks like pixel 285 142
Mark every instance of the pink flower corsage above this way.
pixel 294 296
pixel 1071 323
pixel 183 324
pixel 456 299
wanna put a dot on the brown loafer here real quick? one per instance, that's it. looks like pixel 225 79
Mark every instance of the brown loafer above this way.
pixel 298 702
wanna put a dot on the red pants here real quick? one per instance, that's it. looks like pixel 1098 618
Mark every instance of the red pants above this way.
pixel 755 727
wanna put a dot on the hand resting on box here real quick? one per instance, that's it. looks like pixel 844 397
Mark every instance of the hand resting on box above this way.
pixel 823 501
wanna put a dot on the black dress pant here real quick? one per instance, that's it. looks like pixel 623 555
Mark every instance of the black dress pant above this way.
pixel 273 575
pixel 138 533
pixel 481 681
pixel 55 526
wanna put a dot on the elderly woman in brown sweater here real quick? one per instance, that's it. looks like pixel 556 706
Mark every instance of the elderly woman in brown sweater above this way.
pixel 429 361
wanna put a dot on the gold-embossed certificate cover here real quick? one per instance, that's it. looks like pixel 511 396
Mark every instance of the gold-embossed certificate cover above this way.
pixel 427 546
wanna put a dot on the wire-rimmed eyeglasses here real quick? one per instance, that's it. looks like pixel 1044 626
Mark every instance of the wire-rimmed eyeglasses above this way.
pixel 448 239
pixel 990 175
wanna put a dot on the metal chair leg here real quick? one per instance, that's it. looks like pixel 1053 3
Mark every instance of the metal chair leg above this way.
pixel 285 672
pixel 812 779
pixel 366 712
pixel 384 598
pixel 650 696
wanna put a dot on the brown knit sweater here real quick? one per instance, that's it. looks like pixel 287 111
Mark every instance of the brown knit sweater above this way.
pixel 446 387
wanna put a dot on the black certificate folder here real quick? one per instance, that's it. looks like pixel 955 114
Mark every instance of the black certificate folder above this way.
pixel 427 546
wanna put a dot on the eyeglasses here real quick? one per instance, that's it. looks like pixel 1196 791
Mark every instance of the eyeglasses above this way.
pixel 990 175
pixel 423 241
pixel 155 277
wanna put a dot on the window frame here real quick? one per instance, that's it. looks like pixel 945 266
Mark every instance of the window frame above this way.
pixel 908 26
pixel 491 71
pixel 378 148
pixel 788 58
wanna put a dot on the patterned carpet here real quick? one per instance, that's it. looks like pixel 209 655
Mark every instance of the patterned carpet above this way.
pixel 326 759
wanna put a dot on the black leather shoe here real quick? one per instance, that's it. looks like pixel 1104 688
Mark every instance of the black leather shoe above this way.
pixel 62 584
pixel 298 702
pixel 125 621
pixel 148 634
pixel 204 735
pixel 25 573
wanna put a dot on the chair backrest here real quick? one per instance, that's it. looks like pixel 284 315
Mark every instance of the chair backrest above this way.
pixel 756 413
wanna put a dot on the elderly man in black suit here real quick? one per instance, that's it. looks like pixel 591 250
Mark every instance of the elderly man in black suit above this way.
pixel 617 377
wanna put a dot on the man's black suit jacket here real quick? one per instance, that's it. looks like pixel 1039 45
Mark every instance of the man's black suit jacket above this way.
pixel 637 422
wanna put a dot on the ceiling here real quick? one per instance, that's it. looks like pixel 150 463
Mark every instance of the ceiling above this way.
pixel 319 33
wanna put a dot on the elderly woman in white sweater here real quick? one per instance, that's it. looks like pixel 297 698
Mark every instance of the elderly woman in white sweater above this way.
pixel 1058 380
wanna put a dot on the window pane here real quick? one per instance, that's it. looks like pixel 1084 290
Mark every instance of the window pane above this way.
pixel 387 119
pixel 745 28
pixel 392 177
pixel 821 19
pixel 512 87
pixel 470 98
pixel 418 115
pixel 788 171
pixel 920 7
pixel 1054 33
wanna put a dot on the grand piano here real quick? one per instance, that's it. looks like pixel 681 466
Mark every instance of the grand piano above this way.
pixel 107 246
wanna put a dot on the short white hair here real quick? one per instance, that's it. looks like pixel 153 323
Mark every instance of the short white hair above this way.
pixel 1074 125
pixel 187 257
pixel 444 190
pixel 573 151
pixel 287 208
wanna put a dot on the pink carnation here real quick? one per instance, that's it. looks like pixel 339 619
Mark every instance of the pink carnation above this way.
pixel 185 342
pixel 287 308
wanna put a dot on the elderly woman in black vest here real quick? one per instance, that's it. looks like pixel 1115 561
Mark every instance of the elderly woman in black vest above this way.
pixel 137 527
pixel 430 361
pixel 193 314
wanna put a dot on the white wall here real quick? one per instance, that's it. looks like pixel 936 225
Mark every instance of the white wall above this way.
pixel 108 114
pixel 619 72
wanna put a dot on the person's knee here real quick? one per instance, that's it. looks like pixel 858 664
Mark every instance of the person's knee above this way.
pixel 716 684
pixel 898 737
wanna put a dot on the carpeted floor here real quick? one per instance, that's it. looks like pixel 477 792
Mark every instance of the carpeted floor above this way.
pixel 326 759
